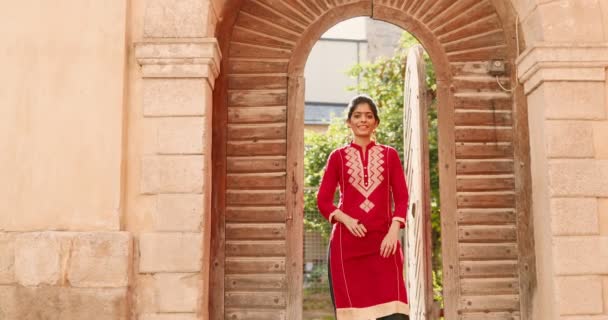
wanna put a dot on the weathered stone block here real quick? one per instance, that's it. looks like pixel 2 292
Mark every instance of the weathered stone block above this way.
pixel 580 255
pixel 573 100
pixel 142 212
pixel 169 316
pixel 574 216
pixel 8 302
pixel 181 174
pixel 100 260
pixel 172 174
pixel 58 303
pixel 213 16
pixel 531 25
pixel 605 295
pixel 38 257
pixel 571 20
pixel 145 297
pixel 181 135
pixel 178 292
pixel 603 216
pixel 149 182
pixel 170 252
pixel 7 258
pixel 579 295
pixel 179 212
pixel 175 97
pixel 149 135
pixel 578 178
pixel 600 144
pixel 569 139
pixel 175 19
pixel 584 317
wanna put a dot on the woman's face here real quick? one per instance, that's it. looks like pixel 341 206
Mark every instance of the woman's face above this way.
pixel 362 122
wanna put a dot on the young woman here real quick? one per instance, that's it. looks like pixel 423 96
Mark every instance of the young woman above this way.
pixel 365 257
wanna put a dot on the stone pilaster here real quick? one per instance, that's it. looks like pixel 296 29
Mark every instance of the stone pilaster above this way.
pixel 562 62
pixel 195 59
pixel 178 77
pixel 568 117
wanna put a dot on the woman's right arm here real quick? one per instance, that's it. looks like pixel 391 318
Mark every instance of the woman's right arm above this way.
pixel 327 189
pixel 325 197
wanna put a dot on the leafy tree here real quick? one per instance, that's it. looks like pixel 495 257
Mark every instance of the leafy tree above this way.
pixel 318 146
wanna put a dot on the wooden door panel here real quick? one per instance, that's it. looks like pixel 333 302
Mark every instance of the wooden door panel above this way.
pixel 418 245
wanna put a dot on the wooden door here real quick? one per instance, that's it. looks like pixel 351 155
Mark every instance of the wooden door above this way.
pixel 264 199
pixel 416 154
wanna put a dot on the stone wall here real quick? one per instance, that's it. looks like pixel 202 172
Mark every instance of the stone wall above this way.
pixel 564 75
pixel 64 275
pixel 62 252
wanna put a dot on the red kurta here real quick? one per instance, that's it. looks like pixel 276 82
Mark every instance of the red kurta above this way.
pixel 365 285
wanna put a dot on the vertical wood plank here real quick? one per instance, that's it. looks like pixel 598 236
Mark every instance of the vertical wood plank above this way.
pixel 522 170
pixel 419 264
pixel 431 308
pixel 218 199
pixel 215 295
pixel 523 202
pixel 295 196
pixel 449 222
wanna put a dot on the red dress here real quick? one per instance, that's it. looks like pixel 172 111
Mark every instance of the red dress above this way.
pixel 365 285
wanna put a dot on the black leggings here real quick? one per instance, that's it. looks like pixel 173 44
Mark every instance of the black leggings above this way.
pixel 395 316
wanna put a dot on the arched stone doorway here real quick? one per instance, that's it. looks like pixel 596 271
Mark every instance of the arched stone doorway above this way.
pixel 257 156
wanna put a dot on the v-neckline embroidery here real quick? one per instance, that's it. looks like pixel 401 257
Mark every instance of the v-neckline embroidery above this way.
pixel 365 177
pixel 363 155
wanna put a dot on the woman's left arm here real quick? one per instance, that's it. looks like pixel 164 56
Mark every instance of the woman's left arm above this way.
pixel 398 187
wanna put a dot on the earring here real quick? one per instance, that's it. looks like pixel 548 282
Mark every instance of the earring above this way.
pixel 373 137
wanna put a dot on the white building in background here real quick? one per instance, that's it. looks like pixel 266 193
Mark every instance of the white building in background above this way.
pixel 341 47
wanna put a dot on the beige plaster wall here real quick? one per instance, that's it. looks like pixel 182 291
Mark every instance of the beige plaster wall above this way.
pixel 62 102
pixel 61 114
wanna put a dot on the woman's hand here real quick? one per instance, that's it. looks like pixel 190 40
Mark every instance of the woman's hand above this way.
pixel 389 243
pixel 352 224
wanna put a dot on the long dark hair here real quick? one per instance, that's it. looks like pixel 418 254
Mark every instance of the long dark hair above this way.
pixel 359 99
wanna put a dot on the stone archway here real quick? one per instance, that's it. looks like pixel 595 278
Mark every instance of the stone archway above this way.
pixel 256 234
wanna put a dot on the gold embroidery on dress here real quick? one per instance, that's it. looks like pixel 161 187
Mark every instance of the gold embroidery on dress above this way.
pixel 356 173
